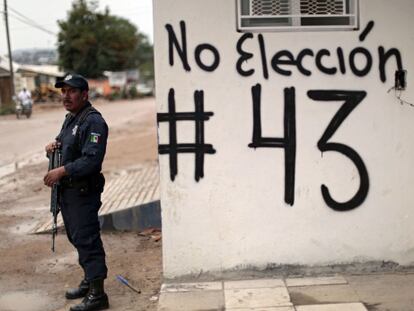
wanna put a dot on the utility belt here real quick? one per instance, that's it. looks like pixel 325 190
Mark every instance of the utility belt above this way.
pixel 85 185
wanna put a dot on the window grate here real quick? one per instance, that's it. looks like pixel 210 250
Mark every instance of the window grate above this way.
pixel 290 15
pixel 322 7
pixel 270 7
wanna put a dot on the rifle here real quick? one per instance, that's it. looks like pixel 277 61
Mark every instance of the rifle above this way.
pixel 55 161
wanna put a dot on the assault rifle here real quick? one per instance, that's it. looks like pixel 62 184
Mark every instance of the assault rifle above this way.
pixel 55 161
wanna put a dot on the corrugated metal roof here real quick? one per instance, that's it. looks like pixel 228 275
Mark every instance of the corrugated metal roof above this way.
pixel 49 70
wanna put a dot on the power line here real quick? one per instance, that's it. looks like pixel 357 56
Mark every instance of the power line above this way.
pixel 31 22
pixel 24 19
pixel 32 25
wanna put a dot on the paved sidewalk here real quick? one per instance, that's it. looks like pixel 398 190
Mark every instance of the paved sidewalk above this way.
pixel 376 292
pixel 126 188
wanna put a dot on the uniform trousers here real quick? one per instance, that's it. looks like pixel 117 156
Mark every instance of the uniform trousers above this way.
pixel 80 216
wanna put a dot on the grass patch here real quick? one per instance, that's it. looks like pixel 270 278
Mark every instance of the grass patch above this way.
pixel 4 110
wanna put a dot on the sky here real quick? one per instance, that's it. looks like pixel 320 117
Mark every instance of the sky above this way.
pixel 46 13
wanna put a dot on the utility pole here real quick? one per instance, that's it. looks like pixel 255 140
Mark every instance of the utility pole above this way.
pixel 6 20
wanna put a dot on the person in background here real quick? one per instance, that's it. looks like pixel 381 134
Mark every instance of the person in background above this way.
pixel 25 96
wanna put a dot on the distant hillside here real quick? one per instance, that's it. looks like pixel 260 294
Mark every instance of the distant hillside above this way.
pixel 35 56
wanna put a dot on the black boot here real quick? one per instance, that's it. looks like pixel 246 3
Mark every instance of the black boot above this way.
pixel 81 291
pixel 96 299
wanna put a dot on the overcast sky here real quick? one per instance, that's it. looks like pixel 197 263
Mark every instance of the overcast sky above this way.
pixel 46 13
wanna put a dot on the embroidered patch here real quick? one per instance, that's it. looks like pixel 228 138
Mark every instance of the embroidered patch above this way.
pixel 95 138
pixel 74 130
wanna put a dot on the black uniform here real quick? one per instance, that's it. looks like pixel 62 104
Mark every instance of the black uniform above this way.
pixel 83 139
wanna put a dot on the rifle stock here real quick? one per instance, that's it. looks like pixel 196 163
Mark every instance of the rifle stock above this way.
pixel 55 159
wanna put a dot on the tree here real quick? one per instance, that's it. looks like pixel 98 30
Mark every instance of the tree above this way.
pixel 90 42
pixel 144 56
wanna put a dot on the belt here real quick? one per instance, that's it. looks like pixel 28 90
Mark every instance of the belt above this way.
pixel 69 182
pixel 95 181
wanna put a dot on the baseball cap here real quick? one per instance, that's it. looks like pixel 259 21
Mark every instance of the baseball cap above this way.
pixel 73 80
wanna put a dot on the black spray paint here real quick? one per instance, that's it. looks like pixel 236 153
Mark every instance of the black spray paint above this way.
pixel 366 31
pixel 199 148
pixel 282 61
pixel 263 55
pixel 320 65
pixel 383 58
pixel 244 56
pixel 368 58
pixel 351 99
pixel 216 61
pixel 173 42
pixel 288 142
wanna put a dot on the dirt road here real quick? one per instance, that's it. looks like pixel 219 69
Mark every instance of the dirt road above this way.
pixel 23 139
pixel 31 276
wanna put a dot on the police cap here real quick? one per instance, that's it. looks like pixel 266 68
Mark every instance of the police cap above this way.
pixel 73 80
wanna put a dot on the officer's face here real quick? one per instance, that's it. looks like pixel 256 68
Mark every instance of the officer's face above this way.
pixel 73 99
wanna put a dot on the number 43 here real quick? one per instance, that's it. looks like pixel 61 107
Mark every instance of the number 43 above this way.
pixel 350 100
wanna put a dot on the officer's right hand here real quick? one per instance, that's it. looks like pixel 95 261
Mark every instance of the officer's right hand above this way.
pixel 53 176
pixel 51 147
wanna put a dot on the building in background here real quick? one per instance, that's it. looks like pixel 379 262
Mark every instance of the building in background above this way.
pixel 5 84
pixel 285 132
pixel 129 81
pixel 39 80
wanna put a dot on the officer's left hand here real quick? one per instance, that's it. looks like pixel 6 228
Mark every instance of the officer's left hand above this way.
pixel 53 176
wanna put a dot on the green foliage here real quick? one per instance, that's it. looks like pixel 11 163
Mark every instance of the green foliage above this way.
pixel 132 92
pixel 91 42
pixel 7 109
pixel 145 58
pixel 115 95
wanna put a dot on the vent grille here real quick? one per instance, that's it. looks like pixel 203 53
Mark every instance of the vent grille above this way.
pixel 322 7
pixel 270 7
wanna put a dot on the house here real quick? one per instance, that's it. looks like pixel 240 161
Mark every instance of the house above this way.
pixel 121 81
pixel 5 82
pixel 284 132
pixel 99 87
pixel 37 77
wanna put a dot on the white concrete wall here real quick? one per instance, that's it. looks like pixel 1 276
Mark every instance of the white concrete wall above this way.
pixel 236 216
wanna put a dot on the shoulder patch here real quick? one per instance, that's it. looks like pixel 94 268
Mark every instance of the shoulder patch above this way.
pixel 94 137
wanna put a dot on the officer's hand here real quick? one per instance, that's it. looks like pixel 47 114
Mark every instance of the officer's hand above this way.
pixel 53 176
pixel 51 147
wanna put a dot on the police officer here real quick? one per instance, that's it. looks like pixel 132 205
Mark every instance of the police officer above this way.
pixel 82 140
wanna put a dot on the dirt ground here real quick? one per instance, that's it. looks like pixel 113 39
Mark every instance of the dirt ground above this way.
pixel 32 277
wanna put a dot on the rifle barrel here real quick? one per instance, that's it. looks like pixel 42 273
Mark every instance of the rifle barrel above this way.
pixel 55 160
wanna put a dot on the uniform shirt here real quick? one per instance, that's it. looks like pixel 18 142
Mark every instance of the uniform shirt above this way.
pixel 84 145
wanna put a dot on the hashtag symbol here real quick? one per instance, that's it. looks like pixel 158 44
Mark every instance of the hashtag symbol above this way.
pixel 199 148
